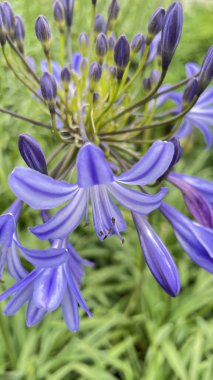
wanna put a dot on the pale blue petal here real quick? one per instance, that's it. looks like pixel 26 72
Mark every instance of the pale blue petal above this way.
pixel 70 311
pixel 34 314
pixel 39 190
pixel 14 265
pixel 18 300
pixel 192 69
pixel 151 166
pixel 20 284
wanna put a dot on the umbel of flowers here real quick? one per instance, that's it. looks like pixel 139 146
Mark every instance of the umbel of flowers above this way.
pixel 105 101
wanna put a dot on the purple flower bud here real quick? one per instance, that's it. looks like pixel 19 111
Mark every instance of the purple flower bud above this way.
pixel 137 43
pixel 101 45
pixel 99 24
pixel 68 8
pixel 122 52
pixel 83 41
pixel 42 29
pixel 206 73
pixel 171 33
pixel 49 90
pixel 32 153
pixel 19 34
pixel 113 10
pixel 94 2
pixel 95 72
pixel 59 14
pixel 65 76
pixel 190 91
pixel 113 72
pixel 84 65
pixel 9 19
pixel 156 22
pixel 154 77
pixel 96 97
pixel 111 41
pixel 2 27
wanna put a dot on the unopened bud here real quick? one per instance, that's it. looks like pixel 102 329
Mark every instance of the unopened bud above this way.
pixel 113 72
pixel 68 8
pixel 122 52
pixel 96 97
pixel 137 43
pixel 19 34
pixel 84 65
pixel 32 153
pixel 94 2
pixel 101 45
pixel 66 77
pixel 83 41
pixel 9 19
pixel 154 77
pixel 190 92
pixel 49 90
pixel 111 41
pixel 155 23
pixel 95 73
pixel 147 84
pixel 59 15
pixel 3 36
pixel 206 73
pixel 113 10
pixel 171 33
pixel 99 24
pixel 43 33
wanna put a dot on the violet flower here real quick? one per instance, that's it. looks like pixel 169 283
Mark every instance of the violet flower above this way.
pixel 195 239
pixel 157 256
pixel 96 182
pixel 48 287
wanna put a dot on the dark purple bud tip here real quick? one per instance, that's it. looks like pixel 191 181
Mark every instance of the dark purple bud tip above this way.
pixel 113 72
pixel 99 24
pixel 122 52
pixel 68 8
pixel 19 34
pixel 95 72
pixel 137 43
pixel 96 97
pixel 94 2
pixel 113 10
pixel 84 65
pixel 111 41
pixel 147 84
pixel 171 33
pixel 59 14
pixel 42 29
pixel 206 73
pixel 49 90
pixel 2 27
pixel 101 45
pixel 65 76
pixel 154 77
pixel 32 153
pixel 178 152
pixel 9 18
pixel 156 22
pixel 190 91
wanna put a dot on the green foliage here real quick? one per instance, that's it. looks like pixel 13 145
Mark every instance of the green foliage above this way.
pixel 137 332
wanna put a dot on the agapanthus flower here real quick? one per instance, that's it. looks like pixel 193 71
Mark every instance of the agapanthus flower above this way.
pixel 195 239
pixel 97 182
pixel 198 196
pixel 7 230
pixel 157 257
pixel 53 283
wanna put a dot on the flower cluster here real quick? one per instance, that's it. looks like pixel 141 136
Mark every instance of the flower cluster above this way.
pixel 102 113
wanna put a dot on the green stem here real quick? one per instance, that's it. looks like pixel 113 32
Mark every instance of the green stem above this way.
pixel 55 130
pixel 17 116
pixel 9 345
pixel 62 49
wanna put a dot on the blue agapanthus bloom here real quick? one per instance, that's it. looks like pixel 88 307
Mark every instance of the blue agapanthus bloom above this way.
pixel 53 283
pixel 96 182
pixel 195 239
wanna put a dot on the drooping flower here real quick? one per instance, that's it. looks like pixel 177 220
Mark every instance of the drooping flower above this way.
pixel 195 239
pixel 198 196
pixel 53 283
pixel 157 257
pixel 7 230
pixel 97 182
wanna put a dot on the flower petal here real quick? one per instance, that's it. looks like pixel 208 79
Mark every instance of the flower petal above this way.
pixel 49 288
pixel 14 265
pixel 20 284
pixel 135 200
pixel 151 166
pixel 203 186
pixel 70 311
pixel 157 256
pixel 34 314
pixel 65 220
pixel 51 257
pixel 18 300
pixel 39 190
pixel 192 69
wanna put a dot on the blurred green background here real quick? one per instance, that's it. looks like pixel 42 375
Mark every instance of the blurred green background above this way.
pixel 137 331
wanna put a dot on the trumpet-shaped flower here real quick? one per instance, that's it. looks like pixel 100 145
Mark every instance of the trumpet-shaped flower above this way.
pixel 157 257
pixel 195 239
pixel 96 182
pixel 54 282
